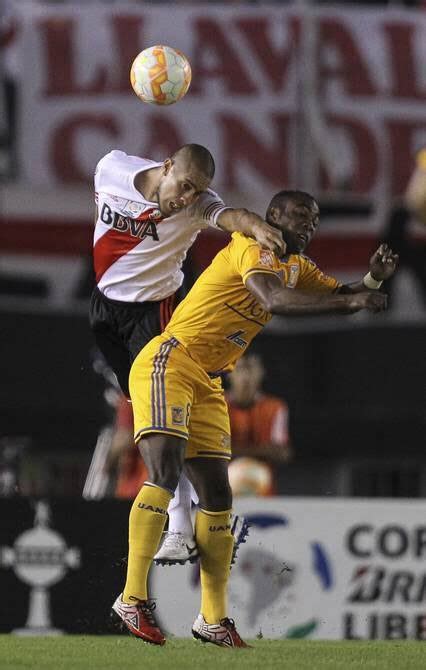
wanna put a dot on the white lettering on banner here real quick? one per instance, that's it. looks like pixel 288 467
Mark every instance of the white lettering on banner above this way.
pixel 315 568
pixel 243 102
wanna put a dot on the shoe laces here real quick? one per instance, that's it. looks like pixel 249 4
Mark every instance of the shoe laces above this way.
pixel 229 624
pixel 148 608
pixel 172 539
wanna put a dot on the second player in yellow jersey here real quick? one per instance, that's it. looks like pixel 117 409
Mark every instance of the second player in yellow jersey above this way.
pixel 173 381
pixel 181 418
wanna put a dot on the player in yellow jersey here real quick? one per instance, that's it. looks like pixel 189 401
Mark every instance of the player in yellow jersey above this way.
pixel 181 417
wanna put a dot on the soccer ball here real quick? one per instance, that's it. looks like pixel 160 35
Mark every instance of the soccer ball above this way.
pixel 249 477
pixel 160 75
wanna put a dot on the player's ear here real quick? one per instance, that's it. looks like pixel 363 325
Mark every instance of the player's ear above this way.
pixel 274 214
pixel 167 165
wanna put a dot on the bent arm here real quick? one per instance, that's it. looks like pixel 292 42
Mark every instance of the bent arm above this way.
pixel 251 224
pixel 355 287
pixel 383 264
pixel 278 299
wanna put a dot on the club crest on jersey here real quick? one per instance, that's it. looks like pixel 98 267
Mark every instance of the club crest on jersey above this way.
pixel 293 275
pixel 178 416
pixel 140 228
pixel 266 258
pixel 133 208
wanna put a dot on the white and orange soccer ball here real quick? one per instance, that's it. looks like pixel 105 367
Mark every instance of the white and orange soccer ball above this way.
pixel 160 75
pixel 249 477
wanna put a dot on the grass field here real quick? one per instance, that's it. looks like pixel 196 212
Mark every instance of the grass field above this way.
pixel 114 652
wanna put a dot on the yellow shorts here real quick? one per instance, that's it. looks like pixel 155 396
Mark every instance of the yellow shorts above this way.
pixel 172 394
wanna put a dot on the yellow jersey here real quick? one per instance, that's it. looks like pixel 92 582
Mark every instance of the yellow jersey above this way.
pixel 219 317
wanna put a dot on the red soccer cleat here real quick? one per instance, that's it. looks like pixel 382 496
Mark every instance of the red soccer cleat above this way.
pixel 224 634
pixel 139 620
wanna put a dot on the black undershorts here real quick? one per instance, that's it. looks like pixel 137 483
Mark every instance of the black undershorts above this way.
pixel 122 329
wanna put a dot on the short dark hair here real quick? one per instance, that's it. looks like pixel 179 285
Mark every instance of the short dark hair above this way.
pixel 281 199
pixel 200 156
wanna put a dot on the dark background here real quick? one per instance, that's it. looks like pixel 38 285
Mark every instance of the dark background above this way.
pixel 353 394
pixel 81 601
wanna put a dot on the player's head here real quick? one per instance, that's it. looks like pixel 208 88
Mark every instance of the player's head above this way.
pixel 184 176
pixel 296 214
pixel 246 379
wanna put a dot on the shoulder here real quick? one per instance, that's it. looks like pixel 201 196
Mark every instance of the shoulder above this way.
pixel 116 172
pixel 117 158
pixel 114 156
pixel 240 244
pixel 307 262
pixel 251 257
pixel 207 200
pixel 212 194
pixel 243 242
pixel 308 266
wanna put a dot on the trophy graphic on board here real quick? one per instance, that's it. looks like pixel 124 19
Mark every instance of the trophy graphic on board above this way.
pixel 40 558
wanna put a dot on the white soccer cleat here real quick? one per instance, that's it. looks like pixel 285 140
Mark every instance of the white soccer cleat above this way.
pixel 180 548
pixel 176 548
pixel 223 634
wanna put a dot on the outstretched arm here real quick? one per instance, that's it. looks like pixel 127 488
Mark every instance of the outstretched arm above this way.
pixel 278 299
pixel 252 225
pixel 383 264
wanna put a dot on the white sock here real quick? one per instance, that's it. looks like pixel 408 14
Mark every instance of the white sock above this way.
pixel 179 509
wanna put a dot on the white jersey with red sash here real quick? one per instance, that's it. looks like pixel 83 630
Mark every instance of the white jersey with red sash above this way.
pixel 137 253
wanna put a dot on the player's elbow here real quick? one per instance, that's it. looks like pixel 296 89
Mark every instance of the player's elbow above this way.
pixel 265 302
pixel 276 303
pixel 268 305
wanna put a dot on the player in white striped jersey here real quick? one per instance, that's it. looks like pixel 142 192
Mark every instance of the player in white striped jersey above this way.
pixel 148 214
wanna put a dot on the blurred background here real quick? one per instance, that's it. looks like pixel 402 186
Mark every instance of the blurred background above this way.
pixel 326 98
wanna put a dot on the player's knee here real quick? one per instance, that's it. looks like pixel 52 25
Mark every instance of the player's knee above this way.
pixel 166 476
pixel 164 461
pixel 216 497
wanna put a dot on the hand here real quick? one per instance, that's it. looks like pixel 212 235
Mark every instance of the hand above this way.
pixel 270 238
pixel 383 263
pixel 374 301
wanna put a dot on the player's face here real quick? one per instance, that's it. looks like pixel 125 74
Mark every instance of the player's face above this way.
pixel 298 220
pixel 180 186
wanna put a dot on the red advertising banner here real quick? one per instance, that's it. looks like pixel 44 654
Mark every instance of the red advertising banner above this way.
pixel 334 99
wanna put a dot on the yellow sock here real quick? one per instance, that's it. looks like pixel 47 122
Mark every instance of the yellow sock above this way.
pixel 146 524
pixel 215 544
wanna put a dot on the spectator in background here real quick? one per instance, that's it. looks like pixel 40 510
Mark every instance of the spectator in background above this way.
pixel 406 228
pixel 259 430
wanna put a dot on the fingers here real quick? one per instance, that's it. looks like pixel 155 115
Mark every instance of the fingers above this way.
pixel 280 248
pixel 274 242
pixel 274 235
pixel 384 251
pixel 385 256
